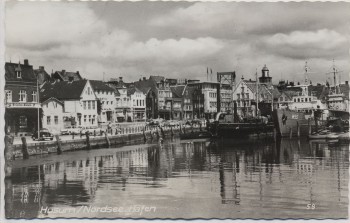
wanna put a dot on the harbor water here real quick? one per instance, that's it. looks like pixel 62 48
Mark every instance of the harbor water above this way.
pixel 259 179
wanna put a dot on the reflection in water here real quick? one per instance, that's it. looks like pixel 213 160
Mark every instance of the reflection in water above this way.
pixel 222 179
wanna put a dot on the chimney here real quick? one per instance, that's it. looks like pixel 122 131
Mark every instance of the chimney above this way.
pixel 346 82
pixel 70 79
pixel 78 72
pixel 120 78
pixel 144 78
pixel 41 68
pixel 63 71
pixel 26 62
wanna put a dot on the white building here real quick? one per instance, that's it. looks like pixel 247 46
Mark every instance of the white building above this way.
pixel 105 95
pixel 137 104
pixel 79 101
pixel 53 113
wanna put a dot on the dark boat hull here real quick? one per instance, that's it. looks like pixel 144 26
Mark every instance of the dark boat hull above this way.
pixel 195 135
pixel 288 120
pixel 242 130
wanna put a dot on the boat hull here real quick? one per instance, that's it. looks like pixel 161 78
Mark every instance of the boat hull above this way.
pixel 288 120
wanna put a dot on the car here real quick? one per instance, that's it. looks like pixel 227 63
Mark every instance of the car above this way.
pixel 66 131
pixel 92 130
pixel 44 134
pixel 172 123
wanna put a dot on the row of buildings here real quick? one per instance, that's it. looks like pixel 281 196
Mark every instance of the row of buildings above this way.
pixel 63 99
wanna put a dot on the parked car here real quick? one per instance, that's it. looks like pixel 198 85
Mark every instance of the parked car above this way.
pixel 93 129
pixel 70 130
pixel 44 134
pixel 172 123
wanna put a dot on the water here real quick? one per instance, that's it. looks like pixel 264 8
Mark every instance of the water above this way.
pixel 247 179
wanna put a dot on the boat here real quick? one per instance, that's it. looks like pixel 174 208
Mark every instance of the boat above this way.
pixel 195 135
pixel 225 126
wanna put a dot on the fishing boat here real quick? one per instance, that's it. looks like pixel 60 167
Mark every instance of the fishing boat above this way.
pixel 195 135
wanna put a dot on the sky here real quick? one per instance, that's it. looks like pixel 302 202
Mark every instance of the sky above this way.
pixel 105 40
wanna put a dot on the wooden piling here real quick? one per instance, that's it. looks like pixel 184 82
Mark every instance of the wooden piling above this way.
pixel 72 135
pixel 274 134
pixel 171 131
pixel 25 148
pixel 162 131
pixel 87 140
pixel 290 132
pixel 309 126
pixel 108 142
pixel 144 135
pixel 151 134
pixel 298 129
pixel 59 147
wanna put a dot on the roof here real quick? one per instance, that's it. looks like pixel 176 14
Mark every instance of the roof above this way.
pixel 145 85
pixel 42 75
pixel 131 90
pixel 62 90
pixel 265 68
pixel 100 86
pixel 27 72
pixel 344 88
pixel 157 79
pixel 177 90
pixel 65 75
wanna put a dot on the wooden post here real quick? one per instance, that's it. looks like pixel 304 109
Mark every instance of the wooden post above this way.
pixel 290 132
pixel 192 128
pixel 72 135
pixel 94 132
pixel 108 142
pixel 157 133
pixel 8 148
pixel 298 129
pixel 81 134
pixel 180 128
pixel 185 129
pixel 59 147
pixel 162 131
pixel 87 140
pixel 309 126
pixel 144 135
pixel 274 134
pixel 171 131
pixel 25 148
pixel 151 134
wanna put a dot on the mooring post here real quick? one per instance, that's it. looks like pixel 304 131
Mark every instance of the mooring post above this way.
pixel 192 128
pixel 274 134
pixel 72 135
pixel 144 135
pixel 298 129
pixel 25 148
pixel 81 134
pixel 171 131
pixel 151 134
pixel 180 128
pixel 87 140
pixel 59 147
pixel 94 133
pixel 108 142
pixel 309 126
pixel 162 131
pixel 185 129
pixel 290 132
pixel 157 133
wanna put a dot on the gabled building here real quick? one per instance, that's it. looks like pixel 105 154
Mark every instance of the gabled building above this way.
pixel 21 100
pixel 122 100
pixel 66 76
pixel 78 98
pixel 185 93
pixel 138 104
pixel 53 110
pixel 158 96
pixel 177 108
pixel 106 101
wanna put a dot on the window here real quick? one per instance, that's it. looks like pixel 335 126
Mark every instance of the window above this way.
pixel 89 118
pixel 22 96
pixel 84 118
pixel 34 96
pixel 22 121
pixel 84 103
pixel 48 120
pixel 298 99
pixel 93 105
pixel 56 119
pixel 19 74
pixel 89 105
pixel 295 100
pixel 247 95
pixel 8 96
pixel 238 96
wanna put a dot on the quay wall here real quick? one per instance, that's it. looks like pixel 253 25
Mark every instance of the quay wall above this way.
pixel 132 135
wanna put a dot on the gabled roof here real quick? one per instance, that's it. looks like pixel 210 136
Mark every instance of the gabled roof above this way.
pixel 131 90
pixel 157 79
pixel 65 75
pixel 27 72
pixel 177 90
pixel 100 86
pixel 52 99
pixel 62 90
pixel 42 75
pixel 145 85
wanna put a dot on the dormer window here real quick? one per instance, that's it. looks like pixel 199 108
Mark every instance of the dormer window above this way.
pixel 19 74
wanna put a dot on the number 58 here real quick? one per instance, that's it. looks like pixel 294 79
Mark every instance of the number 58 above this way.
pixel 311 206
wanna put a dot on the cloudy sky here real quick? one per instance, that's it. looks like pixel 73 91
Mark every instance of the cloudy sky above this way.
pixel 180 39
